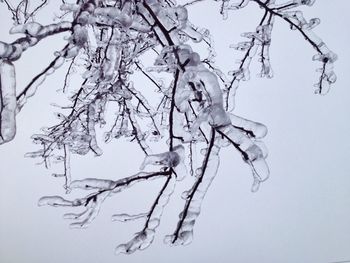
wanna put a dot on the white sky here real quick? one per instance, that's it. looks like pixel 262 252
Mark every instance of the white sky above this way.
pixel 300 215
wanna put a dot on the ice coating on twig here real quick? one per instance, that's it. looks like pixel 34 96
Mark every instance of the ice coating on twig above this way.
pixel 325 56
pixel 174 159
pixel 327 76
pixel 262 37
pixel 184 230
pixel 112 56
pixel 253 129
pixel 91 129
pixel 92 183
pixel 67 169
pixel 104 188
pixel 35 33
pixel 140 241
pixel 145 237
pixel 265 42
pixel 127 217
pixel 201 84
pixel 250 151
pixel 54 201
pixel 32 87
pixel 7 102
pixel 91 206
pixel 169 159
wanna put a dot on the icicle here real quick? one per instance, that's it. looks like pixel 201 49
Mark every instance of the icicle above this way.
pixel 39 153
pixel 113 56
pixel 180 169
pixel 8 102
pixel 67 170
pixel 92 183
pixel 265 33
pixel 127 217
pixel 73 216
pixel 91 128
pixel 183 92
pixel 54 201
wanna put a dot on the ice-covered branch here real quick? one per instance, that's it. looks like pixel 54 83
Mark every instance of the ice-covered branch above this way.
pixel 194 197
pixel 145 237
pixel 190 112
pixel 32 86
pixel 296 21
pixel 34 33
pixel 92 202
pixel 261 39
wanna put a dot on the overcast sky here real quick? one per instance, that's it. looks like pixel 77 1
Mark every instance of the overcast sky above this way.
pixel 300 215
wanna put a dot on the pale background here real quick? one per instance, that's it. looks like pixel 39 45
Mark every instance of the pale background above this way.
pixel 300 215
